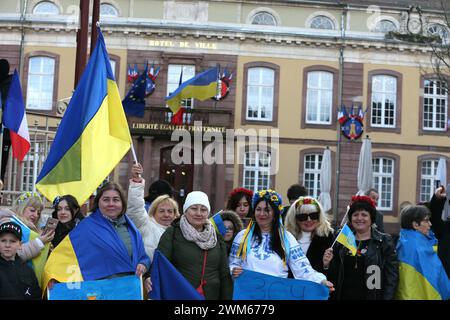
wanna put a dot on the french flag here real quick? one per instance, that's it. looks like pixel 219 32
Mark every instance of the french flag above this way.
pixel 15 120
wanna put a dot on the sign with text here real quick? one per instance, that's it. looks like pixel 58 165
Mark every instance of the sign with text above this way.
pixel 120 288
pixel 252 285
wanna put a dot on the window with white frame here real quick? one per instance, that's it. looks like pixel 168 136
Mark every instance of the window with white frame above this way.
pixel 383 181
pixel 260 93
pixel 41 76
pixel 435 105
pixel 319 97
pixel 322 22
pixel 108 10
pixel 427 175
pixel 385 26
pixel 257 170
pixel 311 174
pixel 384 100
pixel 45 7
pixel 264 18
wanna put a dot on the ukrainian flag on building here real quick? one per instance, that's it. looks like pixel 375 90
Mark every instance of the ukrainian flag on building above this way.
pixel 421 274
pixel 203 86
pixel 93 135
pixel 347 239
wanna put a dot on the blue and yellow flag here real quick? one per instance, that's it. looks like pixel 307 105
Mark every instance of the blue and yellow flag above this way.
pixel 421 274
pixel 347 239
pixel 93 136
pixel 38 262
pixel 218 224
pixel 94 250
pixel 203 86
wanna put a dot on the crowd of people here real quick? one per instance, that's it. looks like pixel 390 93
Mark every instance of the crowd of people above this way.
pixel 121 234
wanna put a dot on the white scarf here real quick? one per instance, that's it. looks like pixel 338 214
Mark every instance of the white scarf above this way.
pixel 205 239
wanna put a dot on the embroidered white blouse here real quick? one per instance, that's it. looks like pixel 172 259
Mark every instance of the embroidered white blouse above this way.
pixel 263 260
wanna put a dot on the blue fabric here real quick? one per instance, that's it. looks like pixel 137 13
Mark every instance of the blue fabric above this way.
pixel 416 250
pixel 251 285
pixel 100 251
pixel 168 283
pixel 134 102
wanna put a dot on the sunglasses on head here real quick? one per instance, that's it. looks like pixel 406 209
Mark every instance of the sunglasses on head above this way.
pixel 304 216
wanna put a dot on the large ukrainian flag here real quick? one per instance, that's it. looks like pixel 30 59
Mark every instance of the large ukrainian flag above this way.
pixel 93 135
pixel 421 274
pixel 203 86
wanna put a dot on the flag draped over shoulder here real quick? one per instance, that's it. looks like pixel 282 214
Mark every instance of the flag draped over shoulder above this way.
pixel 421 274
pixel 14 118
pixel 168 283
pixel 93 136
pixel 94 250
pixel 38 262
pixel 203 86
pixel 347 239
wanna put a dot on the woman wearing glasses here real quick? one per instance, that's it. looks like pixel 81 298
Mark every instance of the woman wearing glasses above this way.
pixel 308 223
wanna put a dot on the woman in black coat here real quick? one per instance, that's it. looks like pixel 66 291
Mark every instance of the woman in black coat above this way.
pixel 371 274
pixel 307 221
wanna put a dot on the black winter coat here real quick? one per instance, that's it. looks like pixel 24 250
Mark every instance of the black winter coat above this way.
pixel 381 252
pixel 18 281
pixel 441 230
pixel 316 250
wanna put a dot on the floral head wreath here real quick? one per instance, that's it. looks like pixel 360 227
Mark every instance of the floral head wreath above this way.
pixel 241 190
pixel 245 243
pixel 25 196
pixel 306 200
pixel 268 195
pixel 363 199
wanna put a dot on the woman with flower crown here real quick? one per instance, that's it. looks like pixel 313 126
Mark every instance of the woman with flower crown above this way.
pixel 372 273
pixel 308 223
pixel 267 247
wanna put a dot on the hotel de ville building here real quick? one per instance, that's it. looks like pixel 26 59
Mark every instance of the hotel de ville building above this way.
pixel 293 64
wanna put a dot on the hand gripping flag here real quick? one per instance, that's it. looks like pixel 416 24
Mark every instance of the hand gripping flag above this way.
pixel 14 118
pixel 93 136
pixel 203 86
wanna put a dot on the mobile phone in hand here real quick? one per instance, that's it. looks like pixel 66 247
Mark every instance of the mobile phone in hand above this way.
pixel 50 225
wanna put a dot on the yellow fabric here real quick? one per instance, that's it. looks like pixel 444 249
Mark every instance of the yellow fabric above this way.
pixel 413 286
pixel 104 142
pixel 62 265
pixel 39 261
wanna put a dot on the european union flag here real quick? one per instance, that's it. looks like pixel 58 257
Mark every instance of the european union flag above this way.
pixel 134 102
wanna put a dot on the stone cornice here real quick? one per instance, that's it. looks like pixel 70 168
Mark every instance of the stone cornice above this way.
pixel 222 32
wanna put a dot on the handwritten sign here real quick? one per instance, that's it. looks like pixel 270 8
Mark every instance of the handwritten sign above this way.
pixel 252 285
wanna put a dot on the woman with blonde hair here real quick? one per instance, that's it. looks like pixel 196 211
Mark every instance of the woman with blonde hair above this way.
pixel 161 213
pixel 307 221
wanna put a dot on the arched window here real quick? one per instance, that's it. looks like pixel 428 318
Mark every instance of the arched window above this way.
pixel 384 100
pixel 45 7
pixel 439 30
pixel 319 97
pixel 260 93
pixel 435 102
pixel 264 18
pixel 322 22
pixel 385 26
pixel 108 10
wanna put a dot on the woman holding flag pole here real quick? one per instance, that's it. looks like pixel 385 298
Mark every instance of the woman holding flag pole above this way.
pixel 363 265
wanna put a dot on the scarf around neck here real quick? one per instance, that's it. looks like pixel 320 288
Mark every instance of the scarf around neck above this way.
pixel 205 239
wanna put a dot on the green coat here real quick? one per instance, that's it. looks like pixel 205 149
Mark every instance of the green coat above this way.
pixel 187 257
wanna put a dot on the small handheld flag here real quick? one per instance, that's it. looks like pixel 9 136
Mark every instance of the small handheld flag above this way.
pixel 347 239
